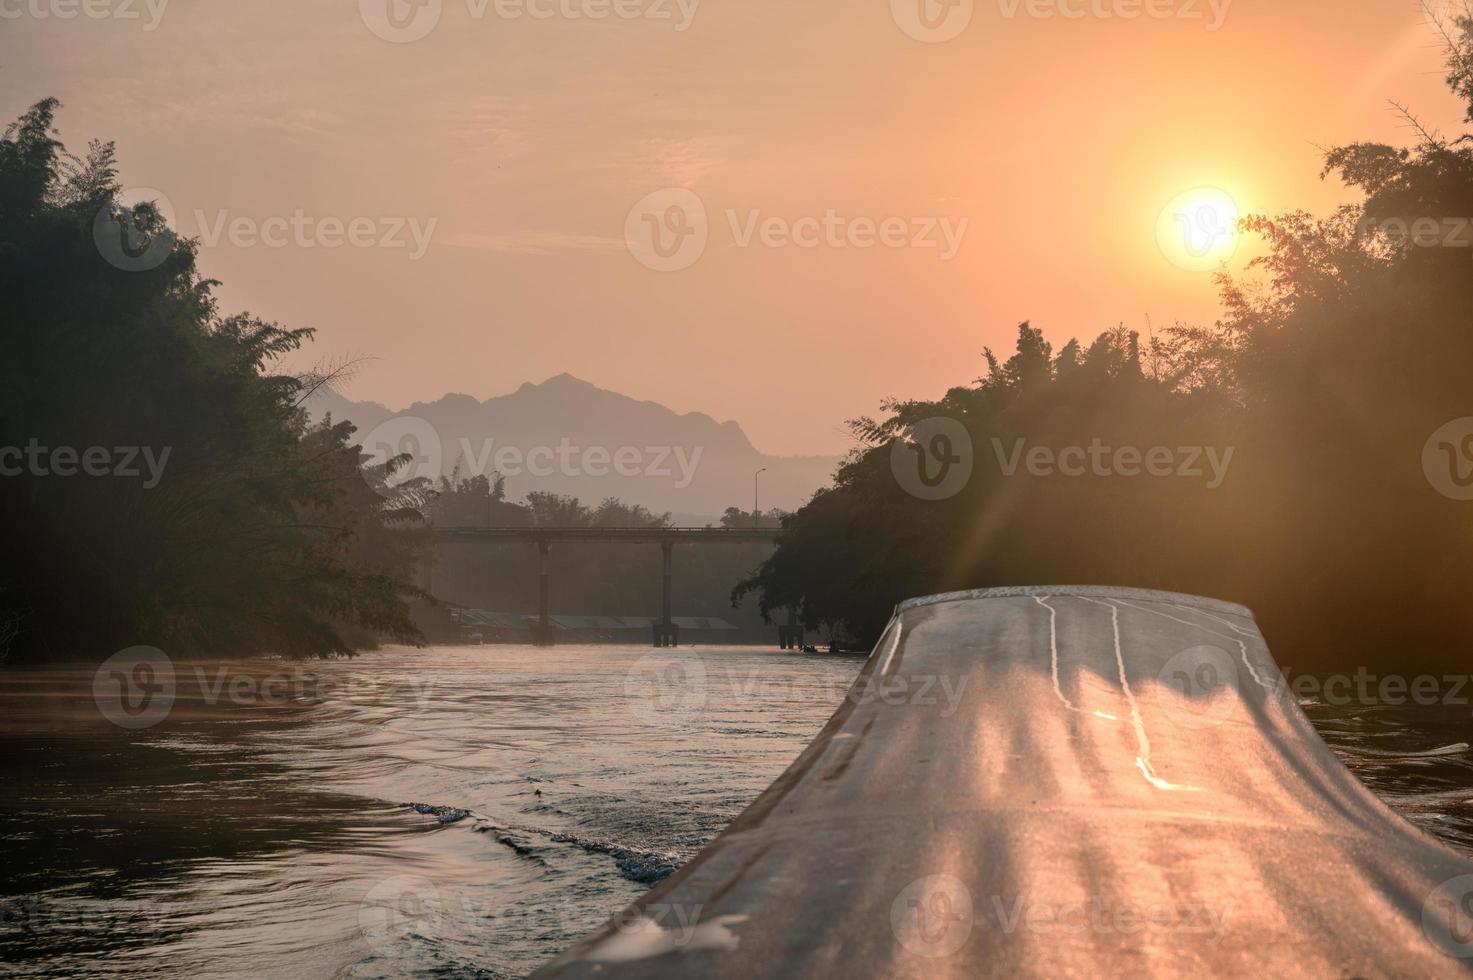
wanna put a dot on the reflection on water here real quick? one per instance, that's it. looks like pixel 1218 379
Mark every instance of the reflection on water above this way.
pixel 1417 759
pixel 265 826
pixel 448 812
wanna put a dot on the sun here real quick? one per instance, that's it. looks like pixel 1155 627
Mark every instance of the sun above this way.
pixel 1198 230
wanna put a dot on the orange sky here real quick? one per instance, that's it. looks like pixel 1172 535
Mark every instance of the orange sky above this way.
pixel 527 142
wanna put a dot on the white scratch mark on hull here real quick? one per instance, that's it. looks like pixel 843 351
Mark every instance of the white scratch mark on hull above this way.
pixel 1053 649
pixel 1143 744
pixel 1243 647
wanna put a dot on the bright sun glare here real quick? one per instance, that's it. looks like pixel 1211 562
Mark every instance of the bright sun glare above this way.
pixel 1197 230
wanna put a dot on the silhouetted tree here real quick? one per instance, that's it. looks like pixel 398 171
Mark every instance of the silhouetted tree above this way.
pixel 736 517
pixel 258 532
pixel 1339 354
pixel 475 501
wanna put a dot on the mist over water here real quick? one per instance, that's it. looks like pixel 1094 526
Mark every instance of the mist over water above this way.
pixel 449 811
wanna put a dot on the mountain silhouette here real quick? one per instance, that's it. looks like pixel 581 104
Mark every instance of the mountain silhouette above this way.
pixel 642 452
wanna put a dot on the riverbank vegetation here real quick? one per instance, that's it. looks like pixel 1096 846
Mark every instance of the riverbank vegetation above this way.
pixel 1340 354
pixel 162 484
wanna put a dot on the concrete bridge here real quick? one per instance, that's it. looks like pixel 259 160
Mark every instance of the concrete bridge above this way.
pixel 1057 782
pixel 665 631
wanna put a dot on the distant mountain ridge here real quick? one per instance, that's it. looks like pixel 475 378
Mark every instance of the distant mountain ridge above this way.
pixel 568 436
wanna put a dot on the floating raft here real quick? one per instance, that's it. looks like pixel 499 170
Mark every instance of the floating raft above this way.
pixel 1058 782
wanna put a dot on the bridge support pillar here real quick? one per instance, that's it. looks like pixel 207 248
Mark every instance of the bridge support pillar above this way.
pixel 542 632
pixel 665 631
pixel 790 637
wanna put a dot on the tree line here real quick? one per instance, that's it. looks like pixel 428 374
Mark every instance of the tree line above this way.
pixel 603 578
pixel 255 529
pixel 1336 378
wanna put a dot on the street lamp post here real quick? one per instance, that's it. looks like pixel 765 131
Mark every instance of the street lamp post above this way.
pixel 756 514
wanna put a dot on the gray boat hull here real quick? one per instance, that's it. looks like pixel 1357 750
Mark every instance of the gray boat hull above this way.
pixel 1058 782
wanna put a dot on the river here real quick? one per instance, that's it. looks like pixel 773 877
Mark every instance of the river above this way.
pixel 447 811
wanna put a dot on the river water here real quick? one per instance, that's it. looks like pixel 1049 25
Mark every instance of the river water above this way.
pixel 451 811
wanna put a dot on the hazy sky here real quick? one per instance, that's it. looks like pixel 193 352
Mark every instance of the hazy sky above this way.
pixel 1047 146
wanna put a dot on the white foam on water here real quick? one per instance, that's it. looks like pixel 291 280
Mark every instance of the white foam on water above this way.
pixel 1457 748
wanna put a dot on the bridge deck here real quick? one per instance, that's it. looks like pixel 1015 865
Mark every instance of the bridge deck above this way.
pixel 666 632
pixel 1063 782
pixel 630 534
